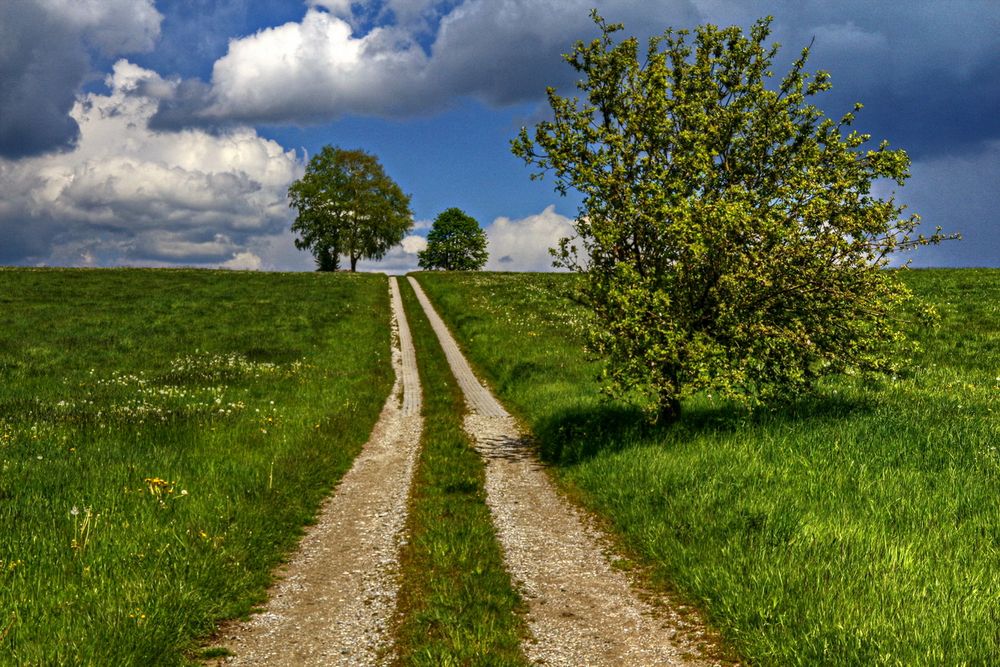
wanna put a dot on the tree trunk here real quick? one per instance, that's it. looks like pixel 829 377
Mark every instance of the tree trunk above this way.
pixel 354 263
pixel 670 410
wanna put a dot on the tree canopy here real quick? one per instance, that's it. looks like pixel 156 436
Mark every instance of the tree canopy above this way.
pixel 348 205
pixel 729 233
pixel 455 242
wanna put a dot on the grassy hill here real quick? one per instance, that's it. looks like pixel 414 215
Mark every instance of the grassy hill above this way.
pixel 163 437
pixel 165 434
pixel 856 527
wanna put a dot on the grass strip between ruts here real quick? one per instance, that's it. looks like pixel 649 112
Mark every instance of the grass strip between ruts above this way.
pixel 456 603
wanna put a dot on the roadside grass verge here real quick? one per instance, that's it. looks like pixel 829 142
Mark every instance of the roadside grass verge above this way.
pixel 856 527
pixel 456 603
pixel 164 436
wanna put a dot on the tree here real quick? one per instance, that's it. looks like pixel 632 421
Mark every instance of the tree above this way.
pixel 728 230
pixel 456 242
pixel 347 205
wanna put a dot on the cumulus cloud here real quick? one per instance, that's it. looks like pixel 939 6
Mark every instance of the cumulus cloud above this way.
pixel 413 244
pixel 319 65
pixel 523 245
pixel 322 67
pixel 243 261
pixel 422 225
pixel 44 59
pixel 924 71
pixel 127 194
pixel 400 259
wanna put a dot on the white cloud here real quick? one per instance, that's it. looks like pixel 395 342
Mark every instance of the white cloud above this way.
pixel 848 35
pixel 413 244
pixel 243 261
pixel 322 67
pixel 307 69
pixel 427 55
pixel 400 259
pixel 127 194
pixel 523 245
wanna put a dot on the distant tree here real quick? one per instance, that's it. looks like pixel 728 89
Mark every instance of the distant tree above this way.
pixel 347 205
pixel 456 242
pixel 728 231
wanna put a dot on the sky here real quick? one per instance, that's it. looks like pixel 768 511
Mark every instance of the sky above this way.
pixel 167 132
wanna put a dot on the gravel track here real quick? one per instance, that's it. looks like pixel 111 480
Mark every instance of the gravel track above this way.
pixel 334 601
pixel 581 611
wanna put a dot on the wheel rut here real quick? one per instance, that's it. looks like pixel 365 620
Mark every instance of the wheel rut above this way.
pixel 581 610
pixel 334 601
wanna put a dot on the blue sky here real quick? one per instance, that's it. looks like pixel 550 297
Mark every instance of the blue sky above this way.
pixel 135 132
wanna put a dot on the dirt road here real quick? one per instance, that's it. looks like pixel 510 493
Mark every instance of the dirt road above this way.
pixel 335 600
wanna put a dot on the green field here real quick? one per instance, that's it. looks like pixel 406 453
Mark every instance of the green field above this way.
pixel 163 437
pixel 858 527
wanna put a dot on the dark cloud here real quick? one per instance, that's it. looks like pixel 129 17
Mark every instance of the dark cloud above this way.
pixel 925 71
pixel 946 117
pixel 959 194
pixel 42 63
pixel 26 240
pixel 184 108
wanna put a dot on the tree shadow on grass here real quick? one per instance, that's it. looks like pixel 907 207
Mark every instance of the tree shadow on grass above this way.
pixel 579 433
pixel 576 434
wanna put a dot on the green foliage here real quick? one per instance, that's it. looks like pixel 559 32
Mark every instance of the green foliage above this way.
pixel 456 242
pixel 348 205
pixel 456 601
pixel 164 436
pixel 728 230
pixel 857 526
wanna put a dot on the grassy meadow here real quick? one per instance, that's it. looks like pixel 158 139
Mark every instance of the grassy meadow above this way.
pixel 164 435
pixel 857 527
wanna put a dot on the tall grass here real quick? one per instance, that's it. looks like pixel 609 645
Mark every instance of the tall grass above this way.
pixel 456 603
pixel 163 437
pixel 856 527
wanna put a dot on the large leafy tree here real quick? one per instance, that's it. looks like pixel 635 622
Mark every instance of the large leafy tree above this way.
pixel 455 242
pixel 348 205
pixel 729 233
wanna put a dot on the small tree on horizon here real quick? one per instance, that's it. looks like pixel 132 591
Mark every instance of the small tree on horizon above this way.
pixel 455 242
pixel 731 237
pixel 348 205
